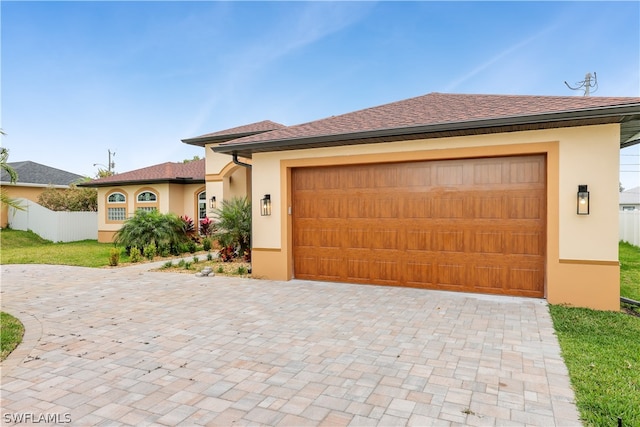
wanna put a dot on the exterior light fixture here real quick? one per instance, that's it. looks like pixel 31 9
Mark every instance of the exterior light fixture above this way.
pixel 265 205
pixel 212 202
pixel 583 200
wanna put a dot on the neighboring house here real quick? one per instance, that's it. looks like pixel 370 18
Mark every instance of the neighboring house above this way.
pixel 178 188
pixel 33 179
pixel 630 199
pixel 474 193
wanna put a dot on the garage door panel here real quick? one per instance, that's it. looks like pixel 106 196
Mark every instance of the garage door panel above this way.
pixel 419 240
pixel 418 206
pixel 451 274
pixel 525 279
pixel 449 175
pixel 489 173
pixel 487 242
pixel 525 243
pixel 475 225
pixel 530 171
pixel 419 272
pixel 525 207
pixel 448 206
pixel 489 277
pixel 449 241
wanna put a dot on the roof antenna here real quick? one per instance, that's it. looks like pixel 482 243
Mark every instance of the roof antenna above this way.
pixel 586 84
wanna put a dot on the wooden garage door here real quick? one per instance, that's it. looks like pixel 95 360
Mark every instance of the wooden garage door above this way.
pixel 472 225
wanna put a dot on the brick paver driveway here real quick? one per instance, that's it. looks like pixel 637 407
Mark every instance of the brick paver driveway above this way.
pixel 131 347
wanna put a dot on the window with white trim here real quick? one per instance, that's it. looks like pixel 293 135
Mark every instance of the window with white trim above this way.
pixel 116 198
pixel 148 197
pixel 116 213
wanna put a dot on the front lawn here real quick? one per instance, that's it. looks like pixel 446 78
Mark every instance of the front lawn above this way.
pixel 11 332
pixel 26 247
pixel 602 352
pixel 629 256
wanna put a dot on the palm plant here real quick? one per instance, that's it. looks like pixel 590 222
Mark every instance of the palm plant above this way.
pixel 233 226
pixel 147 227
pixel 13 177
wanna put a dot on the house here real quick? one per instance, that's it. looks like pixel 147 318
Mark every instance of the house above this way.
pixel 630 199
pixel 168 187
pixel 473 193
pixel 33 179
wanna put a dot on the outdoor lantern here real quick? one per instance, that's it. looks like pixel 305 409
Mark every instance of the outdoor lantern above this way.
pixel 265 205
pixel 212 202
pixel 583 200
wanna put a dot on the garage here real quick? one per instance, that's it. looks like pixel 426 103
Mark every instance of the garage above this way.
pixel 469 225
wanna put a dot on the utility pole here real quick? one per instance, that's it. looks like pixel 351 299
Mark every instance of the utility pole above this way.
pixel 111 165
pixel 586 84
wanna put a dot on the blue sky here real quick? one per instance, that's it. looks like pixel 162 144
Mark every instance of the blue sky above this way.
pixel 80 78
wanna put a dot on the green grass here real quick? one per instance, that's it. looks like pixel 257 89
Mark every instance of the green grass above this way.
pixel 11 332
pixel 26 247
pixel 629 256
pixel 602 352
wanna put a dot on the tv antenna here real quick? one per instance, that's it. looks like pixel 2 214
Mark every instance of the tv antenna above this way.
pixel 586 84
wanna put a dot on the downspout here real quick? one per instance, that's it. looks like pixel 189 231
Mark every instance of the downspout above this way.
pixel 238 162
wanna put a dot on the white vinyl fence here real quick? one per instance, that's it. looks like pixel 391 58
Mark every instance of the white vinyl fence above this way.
pixel 54 226
pixel 630 227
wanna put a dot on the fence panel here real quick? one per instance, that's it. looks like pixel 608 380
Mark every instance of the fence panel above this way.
pixel 630 227
pixel 54 226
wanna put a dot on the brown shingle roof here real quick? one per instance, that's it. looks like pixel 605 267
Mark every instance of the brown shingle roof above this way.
pixel 236 132
pixel 193 171
pixel 433 109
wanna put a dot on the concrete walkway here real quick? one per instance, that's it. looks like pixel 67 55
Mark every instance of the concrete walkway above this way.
pixel 130 347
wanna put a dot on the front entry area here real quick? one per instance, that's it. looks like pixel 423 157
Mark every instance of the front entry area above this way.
pixel 469 225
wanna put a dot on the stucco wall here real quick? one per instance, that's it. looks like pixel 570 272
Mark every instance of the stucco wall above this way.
pixel 585 155
pixel 226 179
pixel 180 199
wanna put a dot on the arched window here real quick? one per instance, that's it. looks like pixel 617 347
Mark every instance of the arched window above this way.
pixel 202 207
pixel 116 198
pixel 147 200
pixel 117 209
pixel 147 196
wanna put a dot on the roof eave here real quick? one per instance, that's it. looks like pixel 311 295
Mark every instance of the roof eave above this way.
pixel 616 113
pixel 201 141
pixel 142 182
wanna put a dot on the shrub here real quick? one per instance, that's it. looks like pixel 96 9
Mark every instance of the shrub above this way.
pixel 164 250
pixel 234 224
pixel 220 269
pixel 227 254
pixel 134 254
pixel 209 256
pixel 187 265
pixel 206 244
pixel 168 264
pixel 207 227
pixel 72 199
pixel 147 227
pixel 150 251
pixel 114 257
pixel 191 247
pixel 196 259
pixel 242 270
pixel 181 263
pixel 188 227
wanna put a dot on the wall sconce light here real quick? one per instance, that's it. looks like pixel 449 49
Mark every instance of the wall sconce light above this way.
pixel 583 200
pixel 212 202
pixel 265 205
